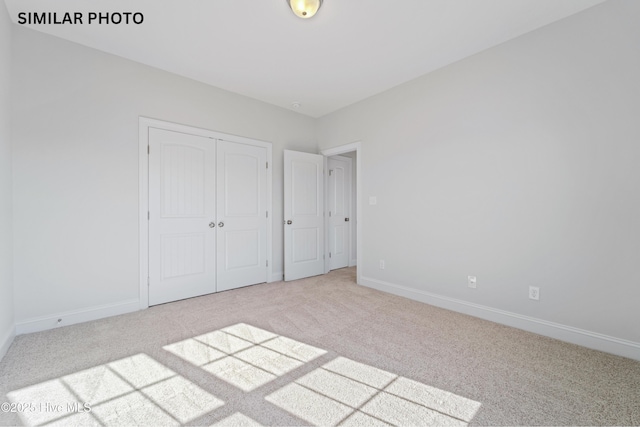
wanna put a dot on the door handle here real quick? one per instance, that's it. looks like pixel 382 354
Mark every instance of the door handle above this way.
pixel 346 220
pixel 212 224
pixel 289 222
pixel 221 224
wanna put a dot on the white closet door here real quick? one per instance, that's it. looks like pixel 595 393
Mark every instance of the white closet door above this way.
pixel 303 214
pixel 242 215
pixel 182 207
pixel 339 197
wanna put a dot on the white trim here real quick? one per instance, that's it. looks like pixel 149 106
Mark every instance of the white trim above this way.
pixel 143 209
pixel 558 331
pixel 348 148
pixel 67 318
pixel 144 123
pixel 7 340
pixel 353 263
pixel 277 276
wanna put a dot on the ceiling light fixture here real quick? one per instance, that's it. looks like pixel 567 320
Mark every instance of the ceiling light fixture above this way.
pixel 305 8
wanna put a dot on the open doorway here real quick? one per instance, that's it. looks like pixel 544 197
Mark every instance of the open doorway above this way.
pixel 336 164
pixel 306 221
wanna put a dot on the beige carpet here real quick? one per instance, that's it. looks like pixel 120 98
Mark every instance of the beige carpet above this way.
pixel 319 351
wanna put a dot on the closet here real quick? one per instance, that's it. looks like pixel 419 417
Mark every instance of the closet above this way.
pixel 207 214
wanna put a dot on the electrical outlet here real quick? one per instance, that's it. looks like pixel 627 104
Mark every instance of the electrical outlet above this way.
pixel 472 281
pixel 534 293
pixel 381 264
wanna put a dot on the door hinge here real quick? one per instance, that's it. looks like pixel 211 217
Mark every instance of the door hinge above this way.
pixel 148 149
pixel 330 172
pixel 267 165
pixel 148 281
pixel 148 215
pixel 267 212
pixel 267 263
pixel 329 254
pixel 329 214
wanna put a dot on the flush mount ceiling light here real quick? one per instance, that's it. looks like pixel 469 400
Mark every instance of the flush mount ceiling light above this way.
pixel 305 8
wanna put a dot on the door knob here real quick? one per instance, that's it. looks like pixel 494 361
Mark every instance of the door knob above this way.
pixel 221 224
pixel 212 224
pixel 289 222
pixel 346 220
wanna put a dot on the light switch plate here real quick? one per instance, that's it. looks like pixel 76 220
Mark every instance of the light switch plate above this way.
pixel 472 281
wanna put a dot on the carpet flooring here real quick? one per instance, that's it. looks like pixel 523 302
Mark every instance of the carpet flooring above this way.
pixel 318 351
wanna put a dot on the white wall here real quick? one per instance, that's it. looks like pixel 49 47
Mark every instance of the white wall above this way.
pixel 6 234
pixel 75 154
pixel 518 165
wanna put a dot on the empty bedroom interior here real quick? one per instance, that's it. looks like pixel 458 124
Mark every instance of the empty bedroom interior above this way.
pixel 517 165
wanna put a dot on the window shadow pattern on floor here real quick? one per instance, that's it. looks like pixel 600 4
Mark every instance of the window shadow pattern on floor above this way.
pixel 139 390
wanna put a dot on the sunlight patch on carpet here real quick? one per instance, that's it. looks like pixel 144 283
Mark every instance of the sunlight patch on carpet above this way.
pixel 136 390
pixel 245 356
pixel 345 391
pixel 139 390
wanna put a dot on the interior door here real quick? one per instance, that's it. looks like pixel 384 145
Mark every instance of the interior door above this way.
pixel 303 215
pixel 182 204
pixel 242 215
pixel 339 199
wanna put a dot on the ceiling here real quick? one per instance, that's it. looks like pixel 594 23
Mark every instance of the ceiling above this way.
pixel 350 50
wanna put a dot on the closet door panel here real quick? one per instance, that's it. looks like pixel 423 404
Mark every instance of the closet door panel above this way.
pixel 242 223
pixel 182 197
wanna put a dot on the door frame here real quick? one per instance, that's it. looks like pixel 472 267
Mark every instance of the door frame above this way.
pixel 342 149
pixel 144 124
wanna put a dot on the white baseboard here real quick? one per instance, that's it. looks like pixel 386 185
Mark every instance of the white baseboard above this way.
pixel 6 338
pixel 76 316
pixel 558 331
pixel 277 277
pixel 353 263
